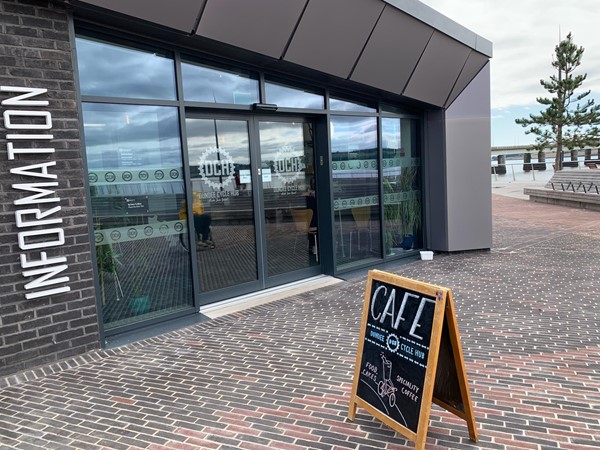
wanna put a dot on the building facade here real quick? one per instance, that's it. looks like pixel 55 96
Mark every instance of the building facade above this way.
pixel 158 158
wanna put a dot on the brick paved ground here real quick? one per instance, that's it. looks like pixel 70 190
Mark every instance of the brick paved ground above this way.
pixel 278 375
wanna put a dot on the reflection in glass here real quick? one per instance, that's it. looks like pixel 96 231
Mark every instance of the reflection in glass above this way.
pixel 355 189
pixel 117 71
pixel 290 97
pixel 136 186
pixel 344 105
pixel 289 193
pixel 206 84
pixel 219 157
pixel 403 110
pixel 401 185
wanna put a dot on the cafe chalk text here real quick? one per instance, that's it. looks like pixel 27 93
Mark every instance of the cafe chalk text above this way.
pixel 28 132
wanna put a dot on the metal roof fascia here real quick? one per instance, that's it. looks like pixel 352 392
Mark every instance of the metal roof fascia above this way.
pixel 443 24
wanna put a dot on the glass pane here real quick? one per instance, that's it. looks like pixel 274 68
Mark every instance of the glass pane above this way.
pixel 289 192
pixel 343 105
pixel 401 110
pixel 401 185
pixel 136 183
pixel 116 71
pixel 206 84
pixel 223 210
pixel 355 189
pixel 289 97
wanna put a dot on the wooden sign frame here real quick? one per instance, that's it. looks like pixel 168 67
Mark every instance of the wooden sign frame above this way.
pixel 445 378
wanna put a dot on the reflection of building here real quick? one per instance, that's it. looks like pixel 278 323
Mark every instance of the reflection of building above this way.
pixel 372 146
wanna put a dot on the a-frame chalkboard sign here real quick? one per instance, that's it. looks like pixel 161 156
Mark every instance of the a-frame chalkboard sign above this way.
pixel 409 355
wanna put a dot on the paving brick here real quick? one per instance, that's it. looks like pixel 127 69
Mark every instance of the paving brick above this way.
pixel 279 375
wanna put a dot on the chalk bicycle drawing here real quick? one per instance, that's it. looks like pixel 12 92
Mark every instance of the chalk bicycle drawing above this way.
pixel 386 388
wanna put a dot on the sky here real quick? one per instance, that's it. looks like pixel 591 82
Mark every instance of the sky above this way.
pixel 524 34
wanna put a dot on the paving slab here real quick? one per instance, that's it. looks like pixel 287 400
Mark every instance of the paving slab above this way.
pixel 278 375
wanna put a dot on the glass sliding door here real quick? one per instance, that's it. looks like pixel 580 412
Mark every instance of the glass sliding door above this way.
pixel 355 190
pixel 136 185
pixel 222 202
pixel 254 205
pixel 289 196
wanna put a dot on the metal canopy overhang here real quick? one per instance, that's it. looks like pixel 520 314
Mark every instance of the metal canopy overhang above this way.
pixel 399 47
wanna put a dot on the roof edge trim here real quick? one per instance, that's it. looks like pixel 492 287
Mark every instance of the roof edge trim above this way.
pixel 437 20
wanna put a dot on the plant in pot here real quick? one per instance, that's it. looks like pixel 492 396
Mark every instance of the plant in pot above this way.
pixel 107 261
pixel 409 207
pixel 391 216
pixel 140 302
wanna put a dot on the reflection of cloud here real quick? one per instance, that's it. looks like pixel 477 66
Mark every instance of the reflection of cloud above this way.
pixel 149 134
pixel 353 133
pixel 107 69
pixel 204 84
pixel 289 97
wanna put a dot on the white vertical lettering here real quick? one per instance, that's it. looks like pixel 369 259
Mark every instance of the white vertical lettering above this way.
pixel 12 151
pixel 19 100
pixel 9 113
pixel 25 234
pixel 47 292
pixel 45 278
pixel 38 216
pixel 24 117
pixel 43 261
pixel 32 170
pixel 36 198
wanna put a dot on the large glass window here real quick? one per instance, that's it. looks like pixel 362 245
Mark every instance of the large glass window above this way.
pixel 291 97
pixel 136 182
pixel 112 70
pixel 355 189
pixel 202 83
pixel 401 185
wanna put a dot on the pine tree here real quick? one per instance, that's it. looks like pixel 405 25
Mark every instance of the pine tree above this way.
pixel 565 123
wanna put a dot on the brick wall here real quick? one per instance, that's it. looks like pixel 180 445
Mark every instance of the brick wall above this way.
pixel 35 51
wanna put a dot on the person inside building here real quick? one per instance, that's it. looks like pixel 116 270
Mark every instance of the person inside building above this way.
pixel 202 221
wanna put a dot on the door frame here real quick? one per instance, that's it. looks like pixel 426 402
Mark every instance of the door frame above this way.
pixel 263 281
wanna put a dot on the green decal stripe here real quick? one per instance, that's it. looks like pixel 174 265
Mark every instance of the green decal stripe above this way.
pixel 135 175
pixel 139 232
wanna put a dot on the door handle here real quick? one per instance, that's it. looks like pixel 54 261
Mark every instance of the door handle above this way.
pixel 259 172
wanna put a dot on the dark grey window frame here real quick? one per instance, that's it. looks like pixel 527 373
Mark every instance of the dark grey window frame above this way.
pixel 90 30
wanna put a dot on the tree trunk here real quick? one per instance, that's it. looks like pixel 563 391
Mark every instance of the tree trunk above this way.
pixel 588 154
pixel 559 157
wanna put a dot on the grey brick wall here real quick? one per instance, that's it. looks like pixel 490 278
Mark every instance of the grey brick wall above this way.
pixel 35 51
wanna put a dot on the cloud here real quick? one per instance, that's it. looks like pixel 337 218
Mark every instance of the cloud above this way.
pixel 524 34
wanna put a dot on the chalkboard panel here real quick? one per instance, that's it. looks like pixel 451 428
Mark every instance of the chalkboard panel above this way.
pixel 395 352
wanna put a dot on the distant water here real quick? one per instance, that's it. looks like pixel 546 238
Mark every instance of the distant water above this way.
pixel 514 172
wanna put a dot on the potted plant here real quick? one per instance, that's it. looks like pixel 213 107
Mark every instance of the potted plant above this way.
pixel 139 303
pixel 391 216
pixel 409 207
pixel 107 262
